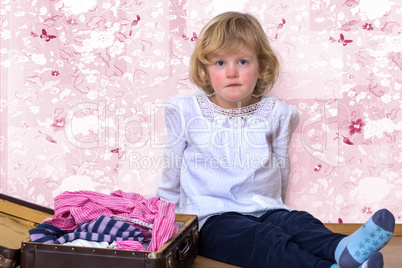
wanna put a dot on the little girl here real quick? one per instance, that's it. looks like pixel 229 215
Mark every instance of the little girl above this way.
pixel 228 161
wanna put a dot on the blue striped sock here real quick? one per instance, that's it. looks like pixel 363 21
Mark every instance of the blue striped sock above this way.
pixel 376 260
pixel 355 249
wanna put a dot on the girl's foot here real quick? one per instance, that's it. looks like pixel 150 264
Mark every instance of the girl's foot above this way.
pixel 353 250
pixel 376 260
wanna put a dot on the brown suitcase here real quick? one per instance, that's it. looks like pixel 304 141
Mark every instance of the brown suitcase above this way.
pixel 178 252
pixel 17 217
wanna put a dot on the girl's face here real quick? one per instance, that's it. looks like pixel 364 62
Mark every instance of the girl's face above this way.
pixel 233 78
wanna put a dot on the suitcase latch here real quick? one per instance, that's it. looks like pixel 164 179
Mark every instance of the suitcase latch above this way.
pixel 169 261
pixel 182 252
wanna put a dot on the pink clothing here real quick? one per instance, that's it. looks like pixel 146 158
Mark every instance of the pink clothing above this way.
pixel 73 209
pixel 129 245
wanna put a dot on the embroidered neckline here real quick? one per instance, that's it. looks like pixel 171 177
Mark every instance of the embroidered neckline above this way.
pixel 235 117
pixel 236 111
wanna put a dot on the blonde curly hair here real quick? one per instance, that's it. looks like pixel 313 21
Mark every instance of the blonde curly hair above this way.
pixel 231 32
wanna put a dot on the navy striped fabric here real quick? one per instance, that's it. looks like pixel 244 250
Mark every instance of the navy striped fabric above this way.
pixel 103 229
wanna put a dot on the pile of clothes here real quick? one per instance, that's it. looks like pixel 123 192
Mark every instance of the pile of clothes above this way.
pixel 119 220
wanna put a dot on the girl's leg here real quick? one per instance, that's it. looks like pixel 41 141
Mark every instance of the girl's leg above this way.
pixel 348 251
pixel 247 242
pixel 309 232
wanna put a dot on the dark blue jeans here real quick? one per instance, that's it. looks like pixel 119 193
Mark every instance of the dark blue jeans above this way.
pixel 279 238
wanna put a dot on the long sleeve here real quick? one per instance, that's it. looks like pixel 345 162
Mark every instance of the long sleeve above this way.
pixel 169 186
pixel 287 123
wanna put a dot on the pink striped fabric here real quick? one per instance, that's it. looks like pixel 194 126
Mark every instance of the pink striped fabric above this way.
pixel 73 209
pixel 129 245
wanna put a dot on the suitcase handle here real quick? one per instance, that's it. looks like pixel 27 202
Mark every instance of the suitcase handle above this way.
pixel 4 262
pixel 185 249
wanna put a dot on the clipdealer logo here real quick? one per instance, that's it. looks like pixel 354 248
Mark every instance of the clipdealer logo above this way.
pixel 100 125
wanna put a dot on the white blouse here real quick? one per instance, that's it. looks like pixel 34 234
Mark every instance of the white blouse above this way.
pixel 220 160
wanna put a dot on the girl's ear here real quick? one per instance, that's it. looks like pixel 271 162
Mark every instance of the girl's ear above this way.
pixel 260 74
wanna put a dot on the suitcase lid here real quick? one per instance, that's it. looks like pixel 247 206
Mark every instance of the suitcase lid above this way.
pixel 17 217
pixel 23 209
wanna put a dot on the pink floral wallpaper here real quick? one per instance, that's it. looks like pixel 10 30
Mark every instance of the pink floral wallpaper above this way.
pixel 83 84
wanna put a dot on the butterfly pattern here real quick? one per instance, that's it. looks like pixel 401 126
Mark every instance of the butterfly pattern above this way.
pixel 193 38
pixel 341 40
pixel 344 41
pixel 47 36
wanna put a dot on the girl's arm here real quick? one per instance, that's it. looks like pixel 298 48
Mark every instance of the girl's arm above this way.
pixel 169 186
pixel 287 124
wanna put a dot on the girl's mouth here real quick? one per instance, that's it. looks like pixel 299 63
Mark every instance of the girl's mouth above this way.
pixel 233 85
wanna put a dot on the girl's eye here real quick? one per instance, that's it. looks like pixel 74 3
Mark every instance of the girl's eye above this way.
pixel 220 63
pixel 242 62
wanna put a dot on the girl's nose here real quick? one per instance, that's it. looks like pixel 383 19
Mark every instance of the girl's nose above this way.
pixel 231 71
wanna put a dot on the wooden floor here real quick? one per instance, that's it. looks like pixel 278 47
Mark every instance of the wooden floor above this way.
pixel 392 257
pixel 19 225
pixel 393 253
